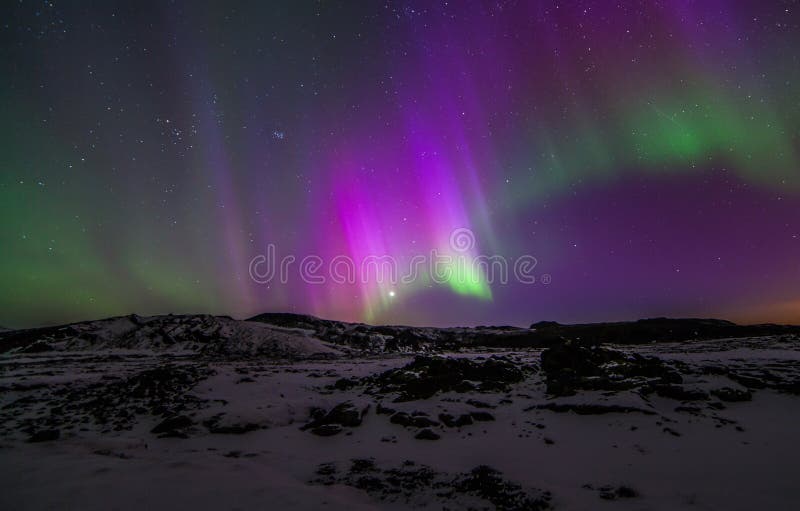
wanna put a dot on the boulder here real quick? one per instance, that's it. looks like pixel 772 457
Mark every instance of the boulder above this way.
pixel 427 434
pixel 45 435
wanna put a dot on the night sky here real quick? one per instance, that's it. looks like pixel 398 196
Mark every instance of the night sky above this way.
pixel 647 154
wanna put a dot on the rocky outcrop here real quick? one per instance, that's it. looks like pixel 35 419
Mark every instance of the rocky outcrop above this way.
pixel 413 485
pixel 427 376
pixel 332 422
pixel 570 367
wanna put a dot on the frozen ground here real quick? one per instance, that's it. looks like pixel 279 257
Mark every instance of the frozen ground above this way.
pixel 147 429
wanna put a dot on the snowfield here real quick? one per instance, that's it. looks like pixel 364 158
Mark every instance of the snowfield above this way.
pixel 214 413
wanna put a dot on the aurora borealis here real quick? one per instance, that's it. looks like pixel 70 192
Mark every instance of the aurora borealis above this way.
pixel 647 154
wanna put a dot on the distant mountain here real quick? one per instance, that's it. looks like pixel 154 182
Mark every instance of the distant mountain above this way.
pixel 212 335
pixel 392 338
pixel 540 334
pixel 656 329
pixel 285 335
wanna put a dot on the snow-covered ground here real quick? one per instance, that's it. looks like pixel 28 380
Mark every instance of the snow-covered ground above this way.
pixel 235 439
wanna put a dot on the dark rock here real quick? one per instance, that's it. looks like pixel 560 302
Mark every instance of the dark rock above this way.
pixel 732 395
pixel 427 434
pixel 465 386
pixel 748 381
pixel 233 429
pixel 401 418
pixel 481 416
pixel 464 419
pixel 448 420
pixel 174 424
pixel 479 404
pixel 620 492
pixel 417 421
pixel 626 492
pixel 383 410
pixel 423 422
pixel 570 367
pixel 680 393
pixel 651 330
pixel 345 383
pixel 45 435
pixel 455 422
pixel 426 376
pixel 316 413
pixel 326 469
pixel 343 414
pixel 362 465
pixel 327 430
pixel 791 387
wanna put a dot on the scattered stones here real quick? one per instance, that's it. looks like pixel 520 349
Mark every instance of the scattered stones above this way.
pixel 780 375
pixel 119 403
pixel 488 484
pixel 418 485
pixel 588 409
